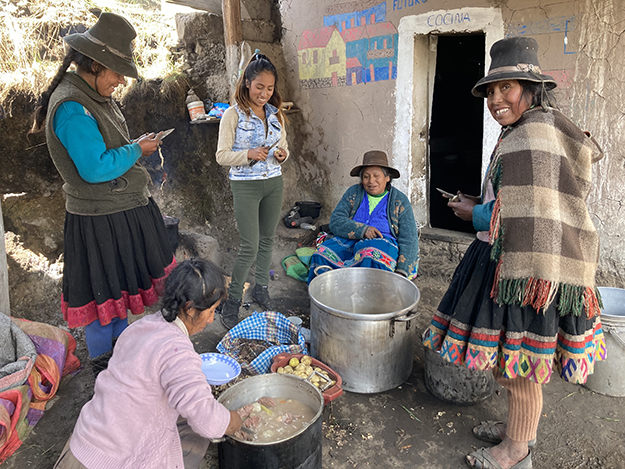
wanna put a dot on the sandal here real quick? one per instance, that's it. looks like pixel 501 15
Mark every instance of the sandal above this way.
pixel 484 460
pixel 489 432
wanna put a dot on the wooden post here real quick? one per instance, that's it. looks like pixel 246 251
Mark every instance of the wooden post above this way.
pixel 5 306
pixel 233 36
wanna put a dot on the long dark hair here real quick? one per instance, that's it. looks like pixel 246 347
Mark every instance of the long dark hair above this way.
pixel 537 94
pixel 258 63
pixel 194 283
pixel 83 63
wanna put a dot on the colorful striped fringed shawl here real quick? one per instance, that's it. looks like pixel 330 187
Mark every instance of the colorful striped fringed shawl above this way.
pixel 542 236
pixel 21 407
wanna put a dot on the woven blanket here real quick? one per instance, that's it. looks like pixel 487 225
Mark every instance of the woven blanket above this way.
pixel 542 235
pixel 21 407
pixel 17 354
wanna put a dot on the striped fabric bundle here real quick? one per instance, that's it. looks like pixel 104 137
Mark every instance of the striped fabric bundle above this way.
pixel 21 407
pixel 541 233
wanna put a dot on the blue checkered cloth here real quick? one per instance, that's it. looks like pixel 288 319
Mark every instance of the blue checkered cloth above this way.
pixel 270 326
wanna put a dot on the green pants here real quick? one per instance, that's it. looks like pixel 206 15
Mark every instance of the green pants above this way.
pixel 257 206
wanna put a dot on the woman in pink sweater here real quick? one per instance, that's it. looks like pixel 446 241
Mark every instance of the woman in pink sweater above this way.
pixel 153 379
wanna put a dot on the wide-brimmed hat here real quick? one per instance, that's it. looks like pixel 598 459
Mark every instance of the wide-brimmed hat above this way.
pixel 375 158
pixel 514 58
pixel 108 42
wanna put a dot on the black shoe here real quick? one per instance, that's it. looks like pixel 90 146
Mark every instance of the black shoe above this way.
pixel 100 363
pixel 260 294
pixel 230 313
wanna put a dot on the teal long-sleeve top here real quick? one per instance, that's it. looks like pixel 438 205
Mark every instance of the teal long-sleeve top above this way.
pixel 481 216
pixel 78 131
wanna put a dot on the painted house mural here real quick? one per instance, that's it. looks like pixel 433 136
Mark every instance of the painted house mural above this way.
pixel 353 14
pixel 321 58
pixel 368 51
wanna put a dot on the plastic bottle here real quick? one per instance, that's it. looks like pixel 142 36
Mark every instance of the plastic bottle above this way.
pixel 308 226
pixel 194 105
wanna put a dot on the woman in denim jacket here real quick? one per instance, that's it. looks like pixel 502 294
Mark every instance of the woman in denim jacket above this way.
pixel 373 225
pixel 252 141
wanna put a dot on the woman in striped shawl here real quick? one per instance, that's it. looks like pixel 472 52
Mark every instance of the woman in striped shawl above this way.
pixel 523 300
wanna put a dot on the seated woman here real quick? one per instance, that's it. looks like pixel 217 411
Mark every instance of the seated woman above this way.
pixel 373 225
pixel 154 380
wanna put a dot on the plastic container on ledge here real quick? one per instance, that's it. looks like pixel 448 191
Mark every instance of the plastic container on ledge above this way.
pixel 195 106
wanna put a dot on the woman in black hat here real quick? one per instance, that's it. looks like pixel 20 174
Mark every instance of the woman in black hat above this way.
pixel 117 254
pixel 523 297
pixel 373 225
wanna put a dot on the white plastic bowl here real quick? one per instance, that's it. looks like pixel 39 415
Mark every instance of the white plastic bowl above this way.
pixel 219 368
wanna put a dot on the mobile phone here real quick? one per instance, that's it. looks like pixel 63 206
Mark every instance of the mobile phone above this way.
pixel 164 133
pixel 253 162
pixel 448 195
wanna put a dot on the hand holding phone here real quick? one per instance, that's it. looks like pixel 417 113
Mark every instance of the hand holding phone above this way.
pixel 164 133
pixel 449 195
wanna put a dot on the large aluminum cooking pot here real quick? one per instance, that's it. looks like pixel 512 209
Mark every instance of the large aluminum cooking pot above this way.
pixel 300 451
pixel 360 321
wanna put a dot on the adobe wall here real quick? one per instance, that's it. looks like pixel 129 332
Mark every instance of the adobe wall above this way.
pixel 363 107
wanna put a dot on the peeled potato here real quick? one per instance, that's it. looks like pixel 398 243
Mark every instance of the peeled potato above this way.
pixel 306 360
pixel 293 362
pixel 280 369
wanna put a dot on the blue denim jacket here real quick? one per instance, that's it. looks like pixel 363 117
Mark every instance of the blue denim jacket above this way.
pixel 250 134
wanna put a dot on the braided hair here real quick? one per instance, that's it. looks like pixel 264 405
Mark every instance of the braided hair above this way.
pixel 194 283
pixel 83 63
pixel 537 95
pixel 258 64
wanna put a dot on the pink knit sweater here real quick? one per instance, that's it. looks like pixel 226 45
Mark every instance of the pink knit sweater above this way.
pixel 153 377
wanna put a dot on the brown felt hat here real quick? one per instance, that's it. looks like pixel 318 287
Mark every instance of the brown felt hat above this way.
pixel 108 42
pixel 375 158
pixel 514 58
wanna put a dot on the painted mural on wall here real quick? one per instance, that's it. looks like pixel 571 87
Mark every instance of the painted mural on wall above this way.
pixel 355 45
pixel 556 25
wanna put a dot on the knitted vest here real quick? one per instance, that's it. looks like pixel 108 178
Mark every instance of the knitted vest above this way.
pixel 123 193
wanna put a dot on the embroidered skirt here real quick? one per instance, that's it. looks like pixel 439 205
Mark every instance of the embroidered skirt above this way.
pixel 470 329
pixel 337 252
pixel 114 263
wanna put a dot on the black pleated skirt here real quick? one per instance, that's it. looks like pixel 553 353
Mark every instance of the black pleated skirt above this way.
pixel 114 263
pixel 470 329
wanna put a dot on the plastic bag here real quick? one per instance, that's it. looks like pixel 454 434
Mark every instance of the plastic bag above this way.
pixel 218 110
pixel 270 326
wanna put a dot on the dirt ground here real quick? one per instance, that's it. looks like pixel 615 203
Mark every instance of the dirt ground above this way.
pixel 403 427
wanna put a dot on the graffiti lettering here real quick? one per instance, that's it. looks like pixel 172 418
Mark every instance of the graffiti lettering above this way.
pixel 447 19
pixel 399 4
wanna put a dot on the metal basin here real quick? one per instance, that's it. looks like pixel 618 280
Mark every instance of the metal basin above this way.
pixel 361 326
pixel 299 451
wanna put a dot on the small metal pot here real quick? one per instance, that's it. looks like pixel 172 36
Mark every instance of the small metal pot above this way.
pixel 300 451
pixel 361 326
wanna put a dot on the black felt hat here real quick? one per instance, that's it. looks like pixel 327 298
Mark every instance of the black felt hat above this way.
pixel 514 58
pixel 375 158
pixel 108 42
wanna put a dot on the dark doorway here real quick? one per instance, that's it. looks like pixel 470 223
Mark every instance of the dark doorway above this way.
pixel 456 127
